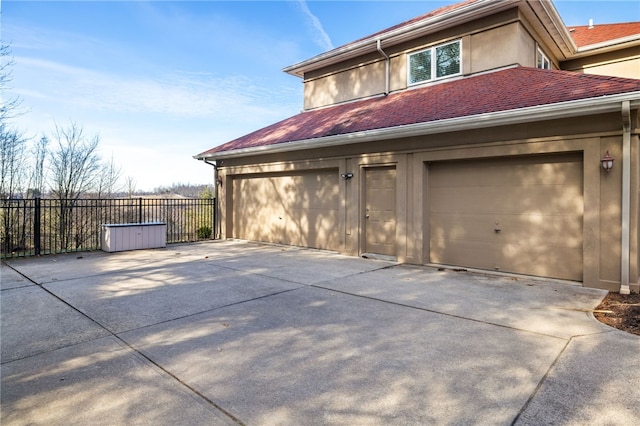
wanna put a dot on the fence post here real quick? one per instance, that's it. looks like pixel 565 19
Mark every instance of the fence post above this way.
pixel 36 226
pixel 139 209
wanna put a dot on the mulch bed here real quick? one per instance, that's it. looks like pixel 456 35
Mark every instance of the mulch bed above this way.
pixel 620 311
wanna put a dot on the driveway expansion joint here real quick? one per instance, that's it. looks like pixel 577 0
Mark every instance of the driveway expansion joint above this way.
pixel 418 308
pixel 126 344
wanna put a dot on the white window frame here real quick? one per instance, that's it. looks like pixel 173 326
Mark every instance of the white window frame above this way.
pixel 432 50
pixel 546 63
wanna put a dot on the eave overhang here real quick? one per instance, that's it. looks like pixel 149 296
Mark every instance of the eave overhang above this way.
pixel 569 109
pixel 608 46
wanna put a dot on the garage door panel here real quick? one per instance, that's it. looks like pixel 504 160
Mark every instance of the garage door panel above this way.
pixel 546 261
pixel 552 199
pixel 509 215
pixel 297 209
pixel 512 229
pixel 526 171
pixel 255 216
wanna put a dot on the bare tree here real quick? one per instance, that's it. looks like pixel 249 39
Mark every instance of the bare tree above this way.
pixel 108 177
pixel 130 184
pixel 12 142
pixel 12 162
pixel 9 105
pixel 75 163
pixel 75 169
pixel 35 187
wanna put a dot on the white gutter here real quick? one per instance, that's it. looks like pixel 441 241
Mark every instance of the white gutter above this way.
pixel 607 46
pixel 634 39
pixel 386 66
pixel 590 106
pixel 626 197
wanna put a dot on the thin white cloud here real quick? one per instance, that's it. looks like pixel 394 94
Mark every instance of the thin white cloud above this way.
pixel 192 95
pixel 321 38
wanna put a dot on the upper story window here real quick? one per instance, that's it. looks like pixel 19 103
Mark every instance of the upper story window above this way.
pixel 435 62
pixel 542 61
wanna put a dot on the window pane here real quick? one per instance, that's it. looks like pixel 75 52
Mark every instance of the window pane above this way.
pixel 420 67
pixel 542 61
pixel 448 59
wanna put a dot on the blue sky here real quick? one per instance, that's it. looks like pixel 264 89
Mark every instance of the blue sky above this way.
pixel 161 81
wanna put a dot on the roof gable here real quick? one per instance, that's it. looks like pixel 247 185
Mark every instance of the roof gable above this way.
pixel 586 35
pixel 505 90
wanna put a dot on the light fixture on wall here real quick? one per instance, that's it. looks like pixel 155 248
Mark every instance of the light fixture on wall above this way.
pixel 346 176
pixel 607 162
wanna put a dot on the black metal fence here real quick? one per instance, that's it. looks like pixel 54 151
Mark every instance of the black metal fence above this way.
pixel 37 226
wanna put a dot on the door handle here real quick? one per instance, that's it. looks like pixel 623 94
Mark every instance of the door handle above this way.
pixel 366 216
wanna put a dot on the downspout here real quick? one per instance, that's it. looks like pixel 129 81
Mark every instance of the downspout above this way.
pixel 386 67
pixel 216 215
pixel 626 197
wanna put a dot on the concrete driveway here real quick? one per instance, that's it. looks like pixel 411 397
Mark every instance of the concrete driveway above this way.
pixel 232 332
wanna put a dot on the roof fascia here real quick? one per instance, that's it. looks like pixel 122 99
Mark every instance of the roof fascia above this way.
pixel 545 12
pixel 608 46
pixel 417 29
pixel 582 107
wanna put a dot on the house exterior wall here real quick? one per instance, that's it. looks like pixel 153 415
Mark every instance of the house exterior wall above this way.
pixel 488 43
pixel 502 46
pixel 587 137
pixel 620 63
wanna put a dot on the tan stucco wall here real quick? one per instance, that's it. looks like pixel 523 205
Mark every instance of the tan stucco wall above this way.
pixel 502 46
pixel 590 137
pixel 356 83
pixel 488 43
pixel 621 63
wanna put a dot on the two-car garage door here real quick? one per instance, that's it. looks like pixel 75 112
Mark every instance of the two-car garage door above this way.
pixel 523 215
pixel 298 209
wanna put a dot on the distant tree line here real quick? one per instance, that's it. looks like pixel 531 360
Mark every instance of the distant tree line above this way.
pixel 64 164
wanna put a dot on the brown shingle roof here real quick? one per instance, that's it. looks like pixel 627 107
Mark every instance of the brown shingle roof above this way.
pixel 585 35
pixel 504 90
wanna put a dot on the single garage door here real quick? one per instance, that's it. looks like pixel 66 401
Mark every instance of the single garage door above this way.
pixel 298 209
pixel 519 215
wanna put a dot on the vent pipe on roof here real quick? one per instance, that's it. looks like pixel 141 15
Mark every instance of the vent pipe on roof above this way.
pixel 386 66
pixel 590 24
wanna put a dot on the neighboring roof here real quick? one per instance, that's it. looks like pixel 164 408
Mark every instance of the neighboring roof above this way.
pixel 586 35
pixel 509 89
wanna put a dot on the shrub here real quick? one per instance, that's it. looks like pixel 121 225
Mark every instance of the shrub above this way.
pixel 204 232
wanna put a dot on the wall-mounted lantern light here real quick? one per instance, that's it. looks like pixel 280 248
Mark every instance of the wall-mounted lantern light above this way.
pixel 346 176
pixel 607 162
